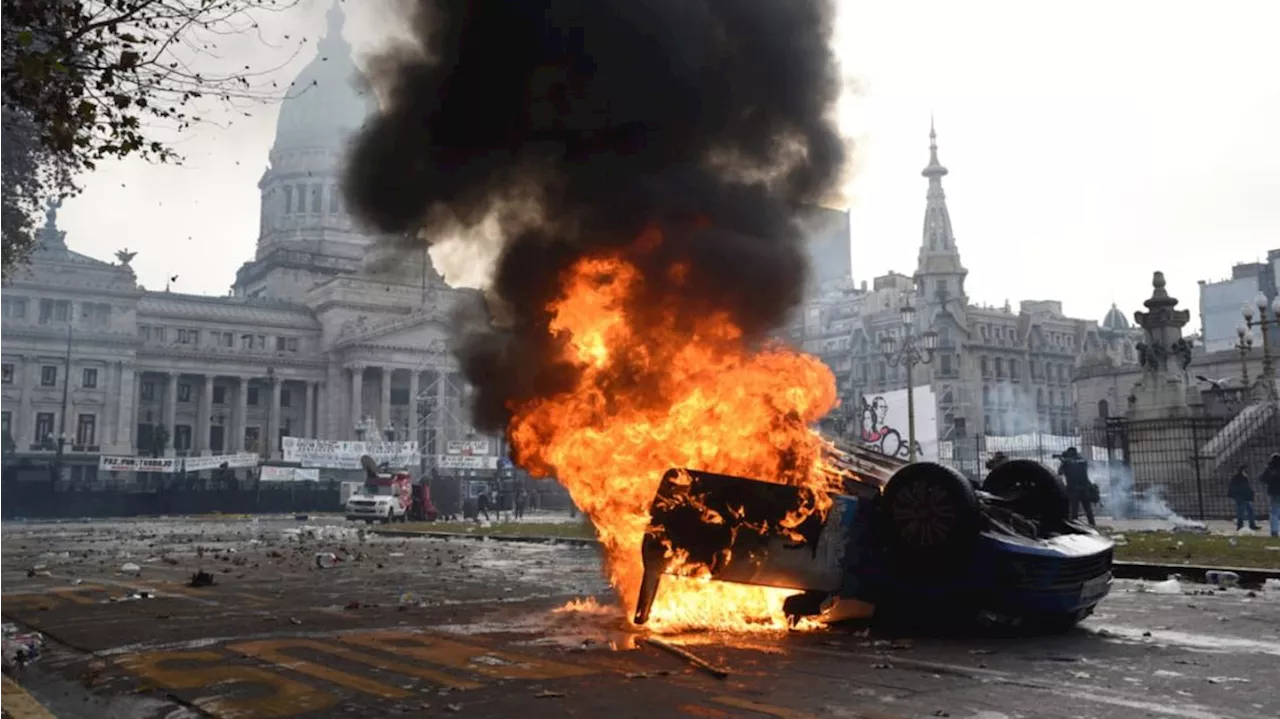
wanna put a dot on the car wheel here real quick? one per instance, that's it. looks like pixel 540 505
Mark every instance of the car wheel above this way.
pixel 929 519
pixel 1032 489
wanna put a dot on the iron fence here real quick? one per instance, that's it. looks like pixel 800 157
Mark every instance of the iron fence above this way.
pixel 1149 469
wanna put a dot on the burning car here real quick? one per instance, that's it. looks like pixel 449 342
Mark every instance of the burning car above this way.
pixel 908 538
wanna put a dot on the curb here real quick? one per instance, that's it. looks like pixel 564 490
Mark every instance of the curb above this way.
pixel 1191 572
pixel 521 538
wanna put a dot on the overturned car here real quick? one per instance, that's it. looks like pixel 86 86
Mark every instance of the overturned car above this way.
pixel 907 541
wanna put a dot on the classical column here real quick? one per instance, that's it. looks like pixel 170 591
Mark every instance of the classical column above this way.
pixel 204 419
pixel 24 427
pixel 442 397
pixel 240 416
pixel 308 407
pixel 273 420
pixel 384 408
pixel 171 412
pixel 357 399
pixel 322 411
pixel 414 420
pixel 135 402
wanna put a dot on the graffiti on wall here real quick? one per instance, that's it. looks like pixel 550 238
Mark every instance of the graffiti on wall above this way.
pixel 884 423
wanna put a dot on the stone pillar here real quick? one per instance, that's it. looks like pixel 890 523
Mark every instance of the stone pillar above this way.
pixel 24 428
pixel 442 399
pixel 171 412
pixel 1161 393
pixel 204 420
pixel 136 406
pixel 240 416
pixel 384 407
pixel 308 408
pixel 110 415
pixel 272 444
pixel 415 422
pixel 321 426
pixel 357 400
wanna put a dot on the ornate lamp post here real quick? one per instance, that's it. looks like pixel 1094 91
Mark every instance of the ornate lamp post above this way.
pixel 1264 325
pixel 1244 346
pixel 915 349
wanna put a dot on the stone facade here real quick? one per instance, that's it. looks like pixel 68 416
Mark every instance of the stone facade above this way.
pixel 312 342
pixel 997 370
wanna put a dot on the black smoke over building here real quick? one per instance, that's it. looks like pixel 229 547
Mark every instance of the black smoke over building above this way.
pixel 582 123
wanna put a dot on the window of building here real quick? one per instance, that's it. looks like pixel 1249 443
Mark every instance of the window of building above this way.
pixel 251 435
pixel 226 339
pixel 1104 411
pixel 1013 369
pixel 48 376
pixel 184 391
pixel 15 308
pixel 6 373
pixel 5 426
pixel 1000 367
pixel 944 364
pixel 982 363
pixel 252 398
pixel 288 200
pixel 148 391
pixel 54 311
pixel 1039 397
pixel 986 395
pixel 188 337
pixel 285 398
pixel 86 425
pixel 291 344
pixel 44 427
pixel 182 437
pixel 246 342
pixel 333 200
pixel 260 342
pixel 89 378
pixel 219 394
pixel 983 330
pixel 280 344
pixel 882 372
pixel 95 314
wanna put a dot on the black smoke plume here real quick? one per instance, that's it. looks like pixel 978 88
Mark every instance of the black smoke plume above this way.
pixel 710 119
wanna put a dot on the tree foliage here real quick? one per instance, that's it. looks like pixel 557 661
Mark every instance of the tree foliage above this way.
pixel 90 80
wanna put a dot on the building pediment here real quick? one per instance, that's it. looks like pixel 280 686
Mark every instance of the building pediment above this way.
pixel 424 331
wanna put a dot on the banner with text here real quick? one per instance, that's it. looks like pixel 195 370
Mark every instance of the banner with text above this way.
pixel 233 461
pixel 467 447
pixel 138 464
pixel 341 454
pixel 289 474
pixel 463 461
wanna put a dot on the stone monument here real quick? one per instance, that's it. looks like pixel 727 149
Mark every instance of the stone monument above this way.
pixel 1164 354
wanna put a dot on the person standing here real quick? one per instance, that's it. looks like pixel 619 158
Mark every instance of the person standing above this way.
pixel 521 500
pixel 1270 480
pixel 1080 493
pixel 1240 490
pixel 482 505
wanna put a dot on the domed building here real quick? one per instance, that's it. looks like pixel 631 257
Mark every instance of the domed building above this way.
pixel 314 341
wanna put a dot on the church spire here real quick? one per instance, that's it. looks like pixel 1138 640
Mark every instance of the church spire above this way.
pixel 939 274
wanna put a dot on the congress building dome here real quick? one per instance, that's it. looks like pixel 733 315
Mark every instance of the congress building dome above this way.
pixel 327 102
pixel 1115 319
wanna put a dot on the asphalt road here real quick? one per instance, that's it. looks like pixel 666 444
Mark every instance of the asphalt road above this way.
pixel 429 627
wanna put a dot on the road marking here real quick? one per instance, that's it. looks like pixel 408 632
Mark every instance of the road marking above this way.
pixel 271 651
pixel 762 708
pixel 29 600
pixel 19 704
pixel 286 697
pixel 75 594
pixel 480 660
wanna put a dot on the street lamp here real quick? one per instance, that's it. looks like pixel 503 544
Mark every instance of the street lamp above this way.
pixel 915 349
pixel 1244 346
pixel 1264 325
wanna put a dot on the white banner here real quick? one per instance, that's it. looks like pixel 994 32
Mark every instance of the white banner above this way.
pixel 138 464
pixel 340 454
pixel 468 447
pixel 884 423
pixel 462 461
pixel 233 461
pixel 288 474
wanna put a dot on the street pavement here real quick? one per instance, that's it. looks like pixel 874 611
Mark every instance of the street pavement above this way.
pixel 432 627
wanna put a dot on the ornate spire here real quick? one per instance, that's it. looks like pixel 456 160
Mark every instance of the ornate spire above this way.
pixel 934 171
pixel 335 19
pixel 939 273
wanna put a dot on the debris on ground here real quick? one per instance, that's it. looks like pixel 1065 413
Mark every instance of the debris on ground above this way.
pixel 325 560
pixel 1221 578
pixel 688 656
pixel 1271 585
pixel 130 568
pixel 545 694
pixel 201 579
pixel 1168 586
pixel 20 649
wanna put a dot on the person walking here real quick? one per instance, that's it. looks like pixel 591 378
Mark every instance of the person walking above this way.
pixel 1270 481
pixel 521 500
pixel 1240 490
pixel 1080 492
pixel 482 505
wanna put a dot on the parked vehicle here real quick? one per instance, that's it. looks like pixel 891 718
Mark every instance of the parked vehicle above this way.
pixel 385 497
pixel 911 540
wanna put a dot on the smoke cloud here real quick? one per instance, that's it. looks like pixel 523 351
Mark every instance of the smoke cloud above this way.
pixel 577 125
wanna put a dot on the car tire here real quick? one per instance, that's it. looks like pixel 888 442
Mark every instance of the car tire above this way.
pixel 929 520
pixel 1034 491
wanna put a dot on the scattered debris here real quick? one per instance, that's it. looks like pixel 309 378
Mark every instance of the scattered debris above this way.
pixel 545 694
pixel 352 605
pixel 688 656
pixel 325 560
pixel 1221 578
pixel 294 620
pixel 20 649
pixel 1271 585
pixel 130 568
pixel 1168 586
pixel 201 579
pixel 453 707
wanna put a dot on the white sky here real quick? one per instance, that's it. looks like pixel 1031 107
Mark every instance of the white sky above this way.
pixel 1089 143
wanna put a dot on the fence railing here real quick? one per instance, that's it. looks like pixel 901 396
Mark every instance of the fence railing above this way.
pixel 1159 469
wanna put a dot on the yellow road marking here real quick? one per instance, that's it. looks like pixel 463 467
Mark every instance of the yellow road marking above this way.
pixel 29 600
pixel 75 594
pixel 444 652
pixel 286 697
pixel 272 651
pixel 19 704
pixel 762 708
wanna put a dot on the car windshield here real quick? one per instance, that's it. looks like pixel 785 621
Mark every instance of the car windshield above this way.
pixel 373 490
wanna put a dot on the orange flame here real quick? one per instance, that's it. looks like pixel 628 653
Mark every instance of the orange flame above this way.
pixel 654 393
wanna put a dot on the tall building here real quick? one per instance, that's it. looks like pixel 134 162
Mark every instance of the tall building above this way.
pixel 997 370
pixel 1220 302
pixel 316 340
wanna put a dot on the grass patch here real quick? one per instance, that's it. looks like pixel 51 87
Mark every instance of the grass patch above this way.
pixel 1200 549
pixel 573 530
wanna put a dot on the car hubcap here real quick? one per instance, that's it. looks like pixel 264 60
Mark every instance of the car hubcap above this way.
pixel 924 514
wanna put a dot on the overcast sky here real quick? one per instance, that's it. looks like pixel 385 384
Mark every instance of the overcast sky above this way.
pixel 1089 143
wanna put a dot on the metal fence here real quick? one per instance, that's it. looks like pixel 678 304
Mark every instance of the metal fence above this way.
pixel 1150 469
